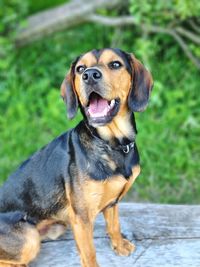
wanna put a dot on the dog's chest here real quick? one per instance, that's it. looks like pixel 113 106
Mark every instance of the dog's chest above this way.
pixel 100 194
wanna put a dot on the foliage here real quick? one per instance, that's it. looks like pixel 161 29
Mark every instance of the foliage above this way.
pixel 14 11
pixel 162 12
pixel 172 121
pixel 36 6
pixel 32 113
pixel 32 110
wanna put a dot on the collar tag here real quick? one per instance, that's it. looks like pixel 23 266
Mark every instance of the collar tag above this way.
pixel 128 147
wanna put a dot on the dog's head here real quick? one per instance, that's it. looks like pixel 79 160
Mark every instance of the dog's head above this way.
pixel 105 83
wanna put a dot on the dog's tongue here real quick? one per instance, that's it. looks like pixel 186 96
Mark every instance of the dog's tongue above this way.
pixel 98 107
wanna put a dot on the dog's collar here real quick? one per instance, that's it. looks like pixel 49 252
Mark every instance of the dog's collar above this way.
pixel 125 148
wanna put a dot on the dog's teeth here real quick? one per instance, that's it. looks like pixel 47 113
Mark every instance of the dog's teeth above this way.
pixel 112 103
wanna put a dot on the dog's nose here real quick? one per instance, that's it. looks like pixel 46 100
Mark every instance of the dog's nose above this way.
pixel 91 76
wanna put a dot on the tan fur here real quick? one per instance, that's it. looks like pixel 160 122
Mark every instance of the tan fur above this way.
pixel 110 162
pixel 31 246
pixel 135 174
pixel 30 249
pixel 83 234
pixel 119 127
pixel 95 197
pixel 88 60
pixel 121 246
pixel 12 265
pixel 99 194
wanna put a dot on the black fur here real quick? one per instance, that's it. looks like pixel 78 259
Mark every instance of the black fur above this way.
pixel 71 98
pixel 37 188
pixel 141 85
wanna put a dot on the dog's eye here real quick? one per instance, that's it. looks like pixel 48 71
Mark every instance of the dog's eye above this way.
pixel 80 69
pixel 115 65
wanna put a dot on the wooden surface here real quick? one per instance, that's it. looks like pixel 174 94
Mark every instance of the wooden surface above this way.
pixel 164 235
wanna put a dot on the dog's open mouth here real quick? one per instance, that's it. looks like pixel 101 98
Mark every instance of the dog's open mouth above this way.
pixel 101 110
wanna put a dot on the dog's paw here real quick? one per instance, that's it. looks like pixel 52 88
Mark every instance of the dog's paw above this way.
pixel 124 247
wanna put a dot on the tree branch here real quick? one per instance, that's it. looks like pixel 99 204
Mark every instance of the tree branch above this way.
pixel 194 26
pixel 185 48
pixel 112 21
pixel 124 20
pixel 77 11
pixel 127 20
pixel 59 18
pixel 190 35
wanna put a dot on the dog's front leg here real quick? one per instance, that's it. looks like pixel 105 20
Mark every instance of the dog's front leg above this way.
pixel 83 233
pixel 121 246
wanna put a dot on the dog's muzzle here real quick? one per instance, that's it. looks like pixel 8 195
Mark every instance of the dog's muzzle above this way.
pixel 98 109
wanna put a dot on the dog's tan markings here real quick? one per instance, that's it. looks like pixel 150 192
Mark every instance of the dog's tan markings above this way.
pixel 135 173
pixel 99 194
pixel 82 227
pixel 120 245
pixel 119 81
pixel 110 162
pixel 31 246
pixel 95 196
pixel 83 234
pixel 12 265
pixel 61 215
pixel 109 55
pixel 28 240
pixel 88 60
pixel 119 127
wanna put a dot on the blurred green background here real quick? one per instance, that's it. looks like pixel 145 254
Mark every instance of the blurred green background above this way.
pixel 32 112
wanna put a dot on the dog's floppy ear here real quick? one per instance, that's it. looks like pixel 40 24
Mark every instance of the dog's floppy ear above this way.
pixel 141 86
pixel 68 92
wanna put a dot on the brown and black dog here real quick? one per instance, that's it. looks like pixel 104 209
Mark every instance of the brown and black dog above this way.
pixel 84 171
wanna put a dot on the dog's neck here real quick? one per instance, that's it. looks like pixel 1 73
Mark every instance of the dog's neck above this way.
pixel 121 129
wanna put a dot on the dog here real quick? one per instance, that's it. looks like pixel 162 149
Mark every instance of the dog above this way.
pixel 84 171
